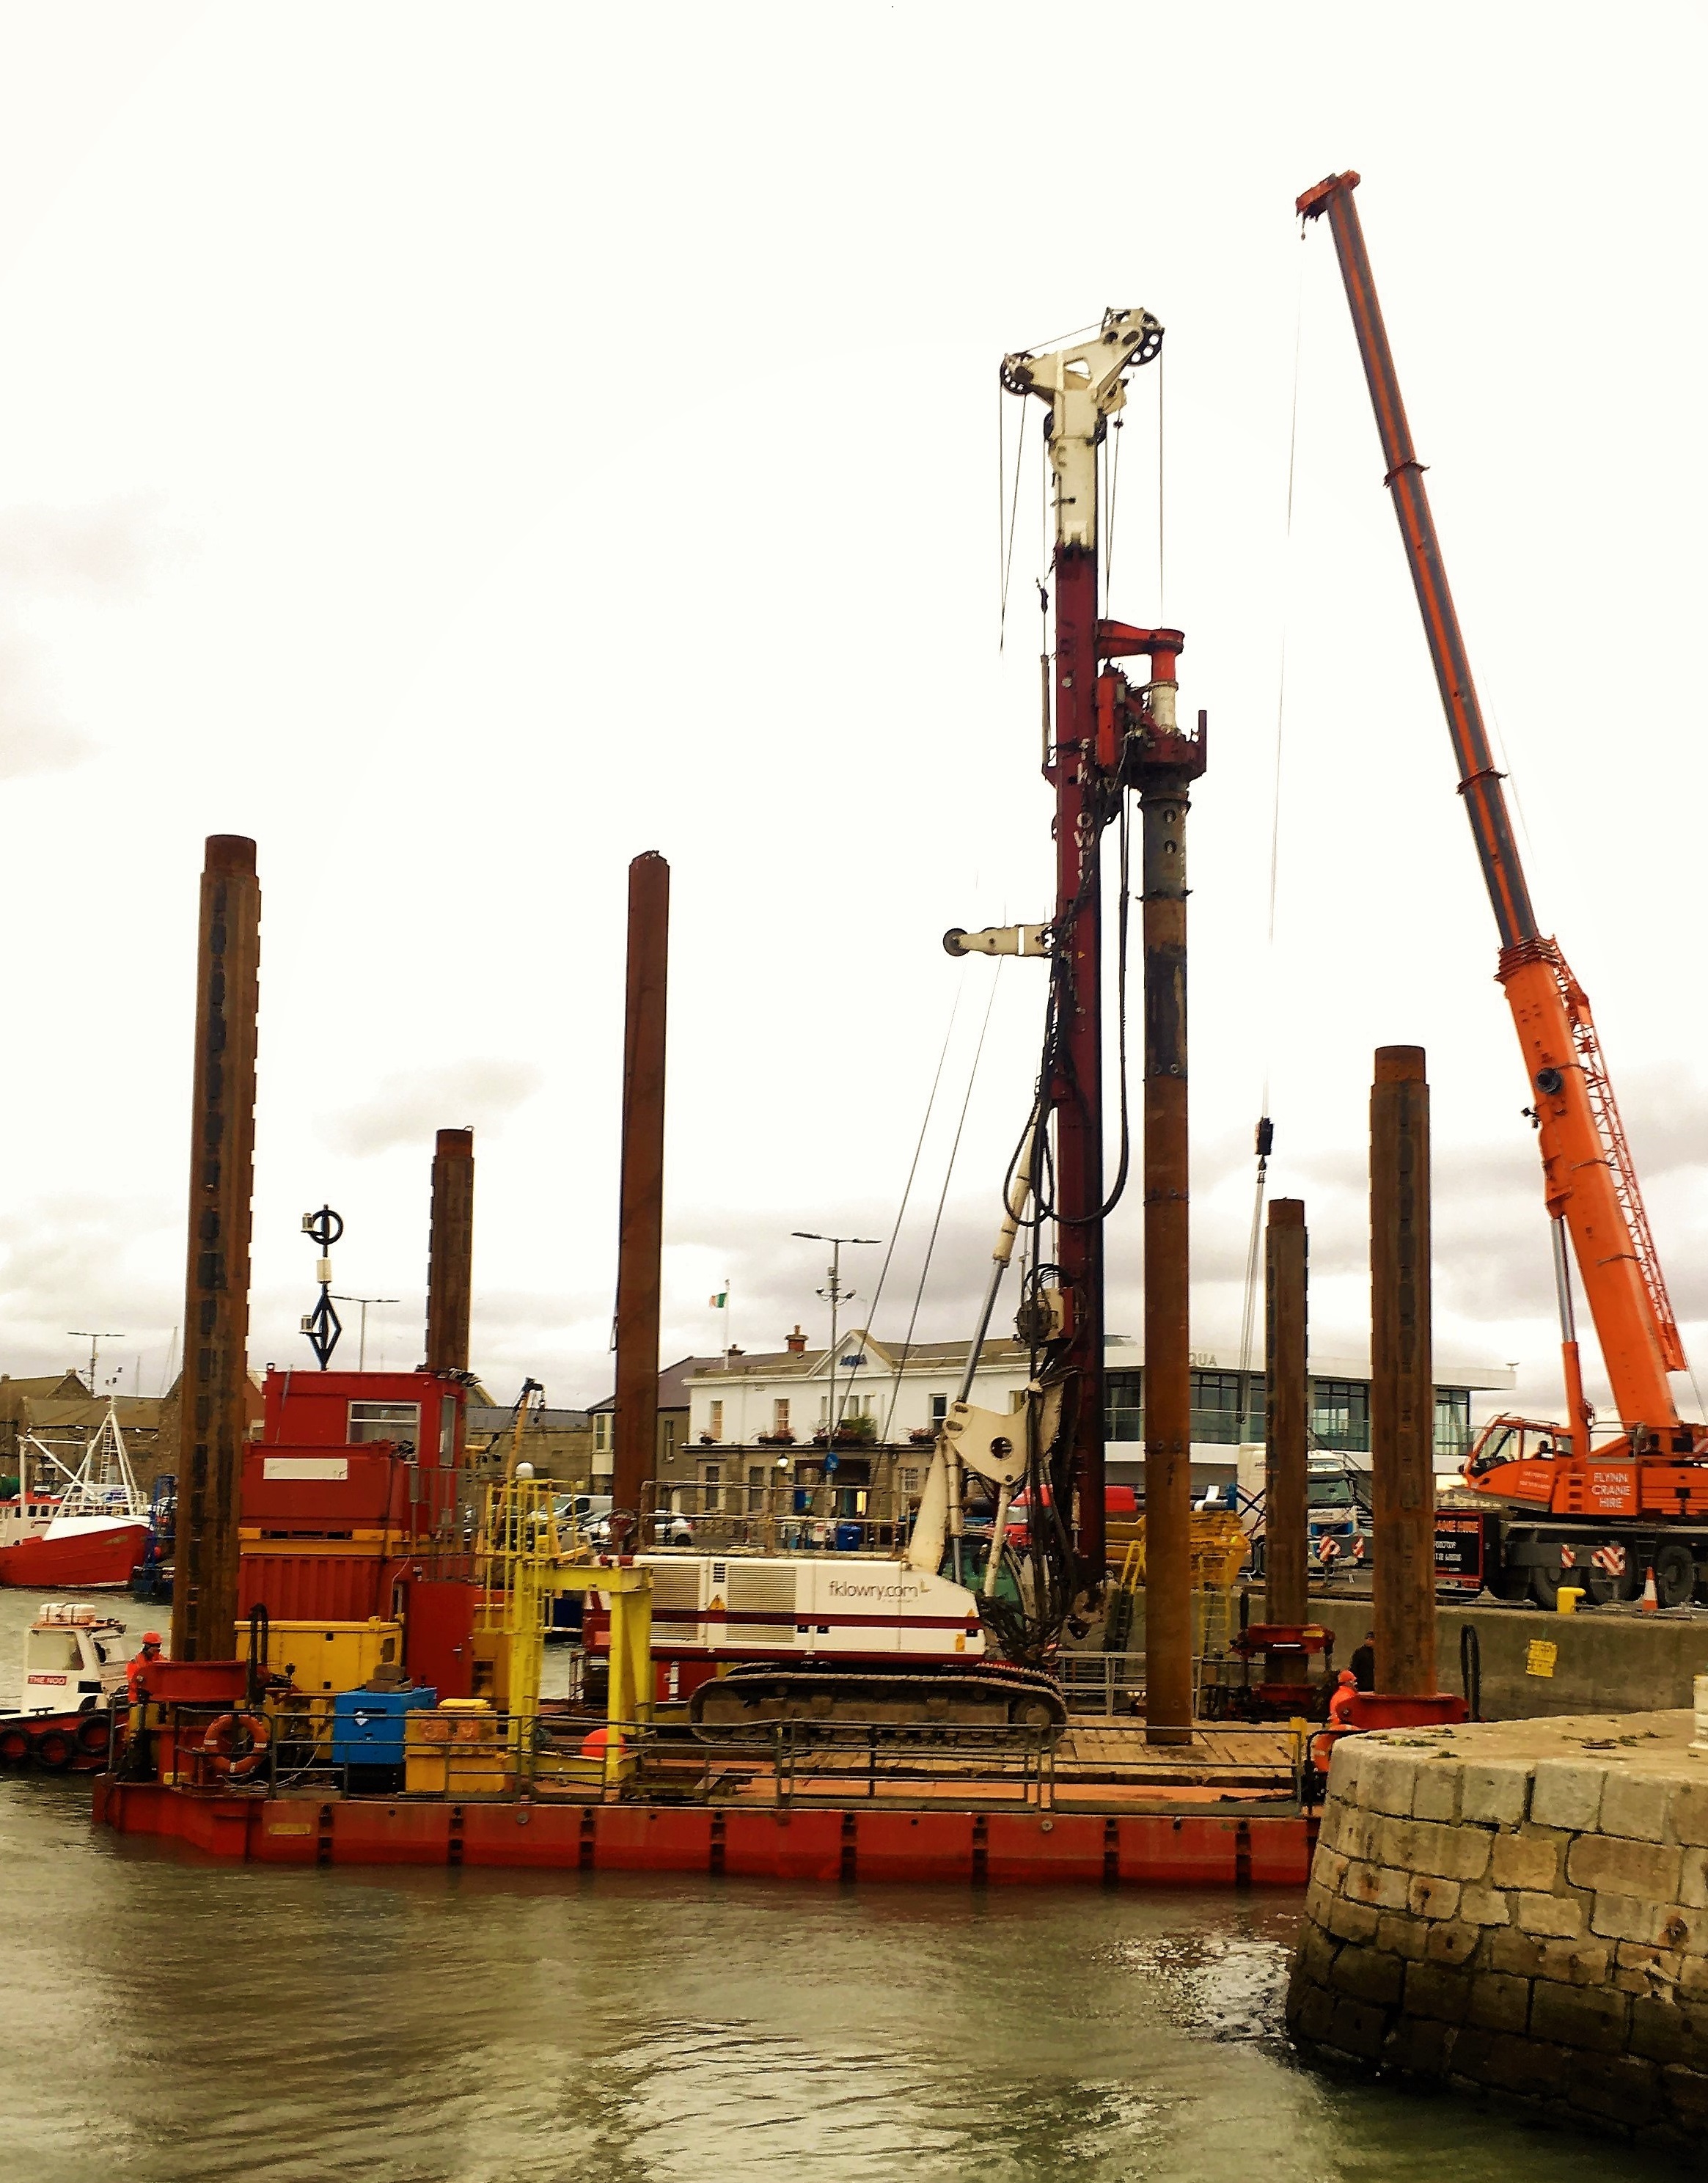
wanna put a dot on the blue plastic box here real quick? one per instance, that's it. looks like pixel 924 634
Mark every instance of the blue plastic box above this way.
pixel 368 1726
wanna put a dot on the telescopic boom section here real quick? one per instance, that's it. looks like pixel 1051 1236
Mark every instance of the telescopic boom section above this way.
pixel 1590 1179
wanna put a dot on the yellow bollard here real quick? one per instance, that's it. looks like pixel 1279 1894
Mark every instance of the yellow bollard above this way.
pixel 1567 1598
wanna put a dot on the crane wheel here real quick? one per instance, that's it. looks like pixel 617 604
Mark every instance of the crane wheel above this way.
pixel 1675 1573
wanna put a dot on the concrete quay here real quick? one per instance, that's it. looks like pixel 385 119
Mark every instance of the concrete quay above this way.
pixel 1519 1909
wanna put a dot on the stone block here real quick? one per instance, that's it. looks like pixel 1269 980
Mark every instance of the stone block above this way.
pixel 1329 1868
pixel 1595 2018
pixel 1310 2012
pixel 1508 2064
pixel 1367 1975
pixel 1692 1977
pixel 1345 1765
pixel 1379 1883
pixel 1685 2093
pixel 1623 1918
pixel 1530 1858
pixel 1554 1917
pixel 1664 2031
pixel 1316 1954
pixel 1420 2047
pixel 1424 1845
pixel 1499 2003
pixel 1428 1897
pixel 1435 1789
pixel 1635 1805
pixel 1693 1885
pixel 1400 1933
pixel 1570 1962
pixel 1358 2028
pixel 1689 1812
pixel 1352 1921
pixel 1565 1793
pixel 1623 2088
pixel 1619 1866
pixel 1494 1794
pixel 1434 1991
pixel 1385 1783
pixel 1317 1902
pixel 1484 1906
pixel 1451 1942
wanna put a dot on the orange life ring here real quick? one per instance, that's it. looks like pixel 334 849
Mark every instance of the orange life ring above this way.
pixel 224 1736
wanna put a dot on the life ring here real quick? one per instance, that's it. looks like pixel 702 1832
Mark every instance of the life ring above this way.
pixel 55 1749
pixel 95 1731
pixel 236 1743
pixel 14 1746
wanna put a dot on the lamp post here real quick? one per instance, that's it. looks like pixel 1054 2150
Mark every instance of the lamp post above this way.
pixel 362 1336
pixel 835 1295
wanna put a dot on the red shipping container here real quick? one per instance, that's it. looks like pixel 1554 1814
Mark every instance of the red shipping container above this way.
pixel 290 1487
pixel 318 1588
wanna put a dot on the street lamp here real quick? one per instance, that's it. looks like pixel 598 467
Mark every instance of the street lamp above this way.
pixel 362 1339
pixel 837 1295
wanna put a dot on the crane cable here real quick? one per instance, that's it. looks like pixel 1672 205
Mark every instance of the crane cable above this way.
pixel 942 1196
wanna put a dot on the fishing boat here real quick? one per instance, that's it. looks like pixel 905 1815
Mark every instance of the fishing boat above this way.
pixel 96 1535
pixel 74 1663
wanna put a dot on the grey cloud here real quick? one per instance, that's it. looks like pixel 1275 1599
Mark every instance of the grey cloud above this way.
pixel 406 1110
pixel 33 736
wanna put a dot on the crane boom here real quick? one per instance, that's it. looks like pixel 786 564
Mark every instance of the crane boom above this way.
pixel 1589 1177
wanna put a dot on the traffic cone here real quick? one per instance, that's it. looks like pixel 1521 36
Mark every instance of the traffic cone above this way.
pixel 1650 1601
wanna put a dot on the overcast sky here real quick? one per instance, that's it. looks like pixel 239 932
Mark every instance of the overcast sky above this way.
pixel 465 446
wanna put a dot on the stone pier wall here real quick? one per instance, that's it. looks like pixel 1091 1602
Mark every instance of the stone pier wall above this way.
pixel 1519 1909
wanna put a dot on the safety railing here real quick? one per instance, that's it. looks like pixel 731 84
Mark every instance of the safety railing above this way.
pixel 768 1517
pixel 814 1763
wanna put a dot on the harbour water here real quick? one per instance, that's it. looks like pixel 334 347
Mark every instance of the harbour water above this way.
pixel 164 2018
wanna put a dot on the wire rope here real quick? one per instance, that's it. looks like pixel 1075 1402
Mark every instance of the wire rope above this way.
pixel 943 1198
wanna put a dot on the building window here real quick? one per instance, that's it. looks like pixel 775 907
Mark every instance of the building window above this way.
pixel 1452 1427
pixel 756 1489
pixel 939 1409
pixel 1124 1405
pixel 1340 1414
pixel 716 1425
pixel 394 1421
pixel 711 1493
pixel 602 1432
pixel 1215 1409
pixel 909 1479
pixel 780 1414
pixel 667 1435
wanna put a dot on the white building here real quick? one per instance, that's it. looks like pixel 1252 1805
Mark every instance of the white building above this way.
pixel 773 1406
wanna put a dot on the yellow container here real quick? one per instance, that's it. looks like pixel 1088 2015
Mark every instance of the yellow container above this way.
pixel 455 1750
pixel 329 1656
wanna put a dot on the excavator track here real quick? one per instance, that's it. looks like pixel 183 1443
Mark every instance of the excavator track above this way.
pixel 847 1704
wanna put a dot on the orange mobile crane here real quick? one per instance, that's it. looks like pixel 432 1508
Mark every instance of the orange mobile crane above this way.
pixel 1639 1500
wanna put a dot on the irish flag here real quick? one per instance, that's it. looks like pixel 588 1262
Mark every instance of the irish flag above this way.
pixel 720 1301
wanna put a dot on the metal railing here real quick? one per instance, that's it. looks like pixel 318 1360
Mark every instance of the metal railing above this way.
pixel 736 1516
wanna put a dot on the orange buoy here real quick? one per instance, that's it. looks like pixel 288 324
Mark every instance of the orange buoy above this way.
pixel 601 1739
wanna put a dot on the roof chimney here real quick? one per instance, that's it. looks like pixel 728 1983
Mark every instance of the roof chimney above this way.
pixel 796 1342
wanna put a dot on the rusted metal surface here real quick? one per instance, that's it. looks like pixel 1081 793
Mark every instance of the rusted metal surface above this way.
pixel 1402 1389
pixel 641 1240
pixel 1077 1091
pixel 1166 768
pixel 1286 1524
pixel 213 1394
pixel 451 1250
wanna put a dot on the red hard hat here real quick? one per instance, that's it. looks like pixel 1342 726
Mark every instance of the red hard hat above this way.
pixel 151 1637
pixel 1347 1676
